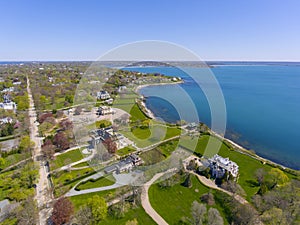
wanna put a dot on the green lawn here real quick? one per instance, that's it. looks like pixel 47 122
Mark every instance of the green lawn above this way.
pixel 171 132
pixel 247 165
pixel 13 159
pixel 137 114
pixel 175 202
pixel 125 151
pixel 100 182
pixel 64 180
pixel 158 133
pixel 159 153
pixel 80 200
pixel 66 158
pixel 138 212
pixel 152 157
pixel 141 133
pixel 125 102
pixel 81 165
pixel 108 195
pixel 64 176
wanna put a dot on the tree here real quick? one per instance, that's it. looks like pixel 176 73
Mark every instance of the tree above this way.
pixel 198 213
pixel 2 162
pixel 244 214
pixel 132 222
pixel 26 144
pixel 110 145
pixel 208 198
pixel 214 217
pixel 48 149
pixel 277 177
pixel 44 127
pixel 66 124
pixel 233 187
pixel 188 181
pixel 83 216
pixel 98 208
pixel 61 141
pixel 62 211
pixel 44 116
pixel 260 175
pixel 69 99
pixel 27 214
pixel 274 216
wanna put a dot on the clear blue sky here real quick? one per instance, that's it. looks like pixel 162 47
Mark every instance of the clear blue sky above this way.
pixel 214 29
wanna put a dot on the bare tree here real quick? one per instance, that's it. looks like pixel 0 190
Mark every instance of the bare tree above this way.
pixel 214 217
pixel 198 213
pixel 27 215
pixel 83 216
pixel 260 175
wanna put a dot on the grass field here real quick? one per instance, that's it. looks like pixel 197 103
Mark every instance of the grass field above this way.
pixel 137 114
pixel 80 200
pixel 158 133
pixel 100 182
pixel 12 159
pixel 159 153
pixel 125 151
pixel 66 158
pixel 64 180
pixel 81 165
pixel 138 212
pixel 125 102
pixel 175 202
pixel 141 133
pixel 65 176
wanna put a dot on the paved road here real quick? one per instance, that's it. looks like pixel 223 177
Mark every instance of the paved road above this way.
pixel 43 194
pixel 121 180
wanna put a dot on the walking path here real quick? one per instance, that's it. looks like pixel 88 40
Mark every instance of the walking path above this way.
pixel 70 149
pixel 43 194
pixel 14 165
pixel 145 198
pixel 209 183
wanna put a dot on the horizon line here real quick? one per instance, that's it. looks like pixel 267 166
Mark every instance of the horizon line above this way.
pixel 72 60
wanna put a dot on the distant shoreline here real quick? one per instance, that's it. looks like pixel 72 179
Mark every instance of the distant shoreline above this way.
pixel 156 84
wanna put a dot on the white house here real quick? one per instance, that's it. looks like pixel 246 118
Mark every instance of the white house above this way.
pixel 8 105
pixel 220 165
pixel 6 120
pixel 103 95
pixel 104 110
pixel 122 88
pixel 10 89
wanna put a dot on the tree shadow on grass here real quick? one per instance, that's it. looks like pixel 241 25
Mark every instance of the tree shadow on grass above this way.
pixel 252 183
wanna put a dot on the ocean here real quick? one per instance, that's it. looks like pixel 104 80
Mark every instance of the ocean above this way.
pixel 262 105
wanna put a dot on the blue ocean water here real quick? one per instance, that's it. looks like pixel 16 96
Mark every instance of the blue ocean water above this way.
pixel 262 104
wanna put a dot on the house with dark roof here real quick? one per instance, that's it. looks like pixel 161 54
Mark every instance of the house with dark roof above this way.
pixel 125 165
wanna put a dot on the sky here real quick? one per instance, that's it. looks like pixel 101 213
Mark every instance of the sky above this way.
pixel 256 30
